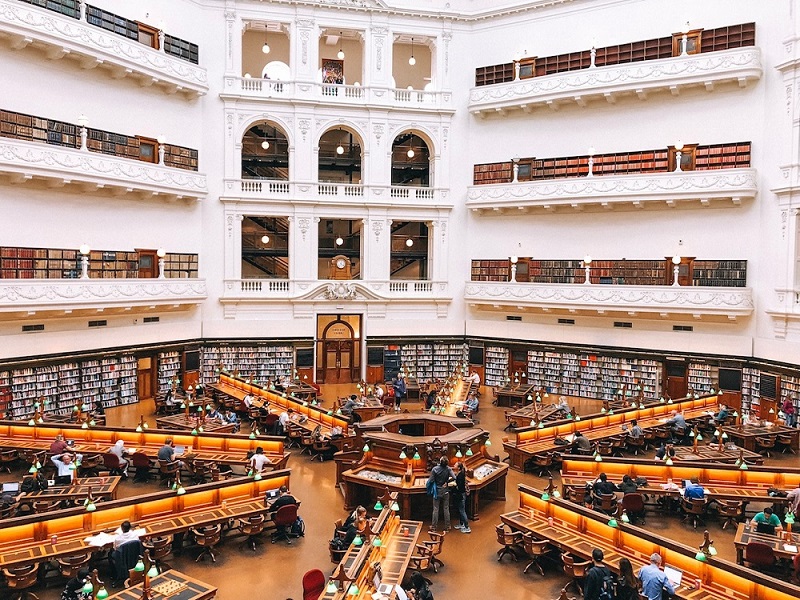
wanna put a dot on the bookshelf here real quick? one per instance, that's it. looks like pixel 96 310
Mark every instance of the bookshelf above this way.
pixel 492 173
pixel 727 273
pixel 64 7
pixel 118 379
pixel 169 366
pixel 491 270
pixel 256 361
pixel 70 389
pixel 5 391
pixel 392 363
pixel 424 360
pixel 712 40
pixel 496 368
pixel 181 48
pixel 91 381
pixel 701 377
pixel 751 382
pixel 180 157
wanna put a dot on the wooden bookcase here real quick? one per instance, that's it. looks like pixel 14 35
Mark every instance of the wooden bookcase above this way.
pixel 732 36
pixel 722 273
pixel 491 270
pixel 181 49
pixel 494 74
pixel 261 362
pixel 68 8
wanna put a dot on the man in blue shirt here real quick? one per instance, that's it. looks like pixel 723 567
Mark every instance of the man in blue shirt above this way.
pixel 694 491
pixel 654 580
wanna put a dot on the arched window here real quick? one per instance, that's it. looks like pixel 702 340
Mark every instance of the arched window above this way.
pixel 339 157
pixel 265 153
pixel 410 160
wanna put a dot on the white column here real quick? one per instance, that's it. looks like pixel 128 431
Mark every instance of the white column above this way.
pixel 233 43
pixel 376 234
pixel 378 55
pixel 438 248
pixel 303 244
pixel 304 54
pixel 232 246
pixel 303 154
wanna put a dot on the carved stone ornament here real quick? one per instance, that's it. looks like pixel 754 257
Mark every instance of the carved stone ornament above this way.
pixel 377 228
pixel 340 291
pixel 303 224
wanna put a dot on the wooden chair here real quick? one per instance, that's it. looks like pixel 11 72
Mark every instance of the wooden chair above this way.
pixel 68 566
pixel 8 458
pixel 306 442
pixel 168 470
pixel 44 506
pixel 158 547
pixel 536 550
pixel 423 559
pixel 731 510
pixel 252 528
pixel 435 544
pixel 649 437
pixel 321 449
pixel 617 444
pixel 576 571
pixel 207 538
pixel 604 448
pixel 134 578
pixel 606 503
pixel 765 444
pixel 540 464
pixel 337 554
pixel 6 512
pixel 90 466
pixel 783 442
pixel 695 509
pixel 21 579
pixel 294 435
pixel 635 444
pixel 633 504
pixel 511 542
pixel 200 470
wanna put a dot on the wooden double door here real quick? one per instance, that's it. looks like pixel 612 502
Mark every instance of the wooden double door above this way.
pixel 338 359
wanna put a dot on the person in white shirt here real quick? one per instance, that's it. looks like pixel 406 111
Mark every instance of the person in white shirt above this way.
pixel 378 391
pixel 63 462
pixel 247 400
pixel 258 460
pixel 475 378
pixel 118 450
pixel 285 417
pixel 124 534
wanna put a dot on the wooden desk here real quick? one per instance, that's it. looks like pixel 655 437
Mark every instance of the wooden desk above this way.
pixel 25 540
pixel 183 423
pixel 745 435
pixel 579 530
pixel 103 488
pixel 531 441
pixel 370 409
pixel 515 395
pixel 534 413
pixel 705 454
pixel 194 590
pixel 398 544
pixel 745 535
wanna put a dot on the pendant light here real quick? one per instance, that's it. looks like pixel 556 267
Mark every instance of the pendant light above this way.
pixel 265 143
pixel 340 54
pixel 410 153
pixel 409 242
pixel 340 148
pixel 265 48
pixel 412 61
pixel 265 239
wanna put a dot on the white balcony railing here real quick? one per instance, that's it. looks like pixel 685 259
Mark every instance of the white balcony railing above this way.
pixel 64 36
pixel 371 291
pixel 741 65
pixel 699 302
pixel 34 295
pixel 340 193
pixel 665 189
pixel 268 89
pixel 24 161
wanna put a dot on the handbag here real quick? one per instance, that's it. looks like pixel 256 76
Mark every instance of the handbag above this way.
pixel 431 489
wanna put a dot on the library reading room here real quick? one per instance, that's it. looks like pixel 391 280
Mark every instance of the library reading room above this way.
pixel 263 331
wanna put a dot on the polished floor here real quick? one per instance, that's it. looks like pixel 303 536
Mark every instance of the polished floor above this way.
pixel 471 571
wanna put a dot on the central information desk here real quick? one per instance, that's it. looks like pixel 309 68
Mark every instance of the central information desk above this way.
pixel 101 488
pixel 578 530
pixel 225 449
pixel 531 441
pixel 355 577
pixel 400 450
pixel 172 585
pixel 28 540
pixel 720 481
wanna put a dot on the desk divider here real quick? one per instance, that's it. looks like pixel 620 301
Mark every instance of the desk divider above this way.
pixel 722 578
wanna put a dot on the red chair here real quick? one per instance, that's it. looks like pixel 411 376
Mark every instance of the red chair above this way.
pixel 141 463
pixel 283 519
pixel 759 555
pixel 313 584
pixel 112 463
pixel 633 503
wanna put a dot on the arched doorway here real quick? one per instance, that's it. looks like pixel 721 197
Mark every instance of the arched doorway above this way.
pixel 265 153
pixel 410 161
pixel 339 348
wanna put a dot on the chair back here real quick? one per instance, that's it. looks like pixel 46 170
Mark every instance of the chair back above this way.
pixel 158 546
pixel 505 537
pixel 111 461
pixel 140 459
pixel 607 501
pixel 252 526
pixel 766 442
pixel 21 578
pixel 694 506
pixel 69 566
pixel 134 577
pixel 532 546
pixel 209 535
pixel 633 502
pixel 573 569
pixel 44 506
pixel 285 515
pixel 9 455
pixel 168 467
pixel 437 541
pixel 313 584
pixel 759 554
pixel 730 508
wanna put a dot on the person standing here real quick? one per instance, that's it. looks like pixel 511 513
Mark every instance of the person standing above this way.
pixel 654 580
pixel 627 585
pixel 789 412
pixel 598 577
pixel 442 475
pixel 460 493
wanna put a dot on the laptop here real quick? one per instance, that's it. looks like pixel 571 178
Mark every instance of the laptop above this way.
pixel 10 488
pixel 272 494
pixel 674 576
pixel 70 443
pixel 63 480
pixel 687 483
pixel 179 449
pixel 765 528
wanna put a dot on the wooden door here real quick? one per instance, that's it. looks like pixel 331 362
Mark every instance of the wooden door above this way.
pixel 676 385
pixel 148 264
pixel 338 358
pixel 145 378
pixel 518 367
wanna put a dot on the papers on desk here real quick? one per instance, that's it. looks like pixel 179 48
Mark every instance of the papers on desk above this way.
pixel 670 486
pixel 570 438
pixel 99 540
pixel 790 547
pixel 140 532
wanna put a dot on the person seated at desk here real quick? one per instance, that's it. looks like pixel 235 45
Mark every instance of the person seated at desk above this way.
pixel 474 378
pixel 74 588
pixel 472 403
pixel 694 491
pixel 351 403
pixel 284 499
pixel 354 529
pixel 581 443
pixel 99 409
pixel 379 392
pixel 62 463
pixel 719 418
pixel 430 399
pixel 59 446
pixel 677 423
pixel 635 430
pixel 247 401
pixel 283 421
pixel 359 513
pixel 767 516
pixel 665 450
pixel 628 485
pixel 602 486
pixel 167 453
pixel 259 460
pixel 653 579
pixel 169 399
pixel 794 499
pixel 119 450
pixel 231 418
pixel 125 533
pixel 419 589
pixel 562 405
pixel 215 415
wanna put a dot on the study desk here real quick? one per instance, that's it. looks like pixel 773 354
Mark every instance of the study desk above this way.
pixel 530 441
pixel 579 530
pixel 26 540
pixel 102 488
pixel 778 543
pixel 515 395
pixel 189 588
pixel 369 409
pixel 745 435
pixel 398 545
pixel 534 413
pixel 707 454
pixel 183 423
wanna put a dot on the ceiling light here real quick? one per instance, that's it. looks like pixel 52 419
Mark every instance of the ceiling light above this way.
pixel 412 61
pixel 247 76
pixel 265 239
pixel 339 241
pixel 265 145
pixel 340 53
pixel 410 153
pixel 265 48
pixel 339 149
pixel 409 242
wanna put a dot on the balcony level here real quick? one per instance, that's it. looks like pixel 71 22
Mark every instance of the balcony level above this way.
pixel 644 301
pixel 305 295
pixel 22 161
pixel 25 298
pixel 340 194
pixel 329 94
pixel 93 45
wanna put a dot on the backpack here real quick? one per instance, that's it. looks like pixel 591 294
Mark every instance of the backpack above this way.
pixel 608 585
pixel 430 488
pixel 298 527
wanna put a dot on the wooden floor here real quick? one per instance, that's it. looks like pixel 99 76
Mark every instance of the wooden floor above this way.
pixel 471 569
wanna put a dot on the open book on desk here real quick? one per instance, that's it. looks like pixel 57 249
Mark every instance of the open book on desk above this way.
pixel 100 540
